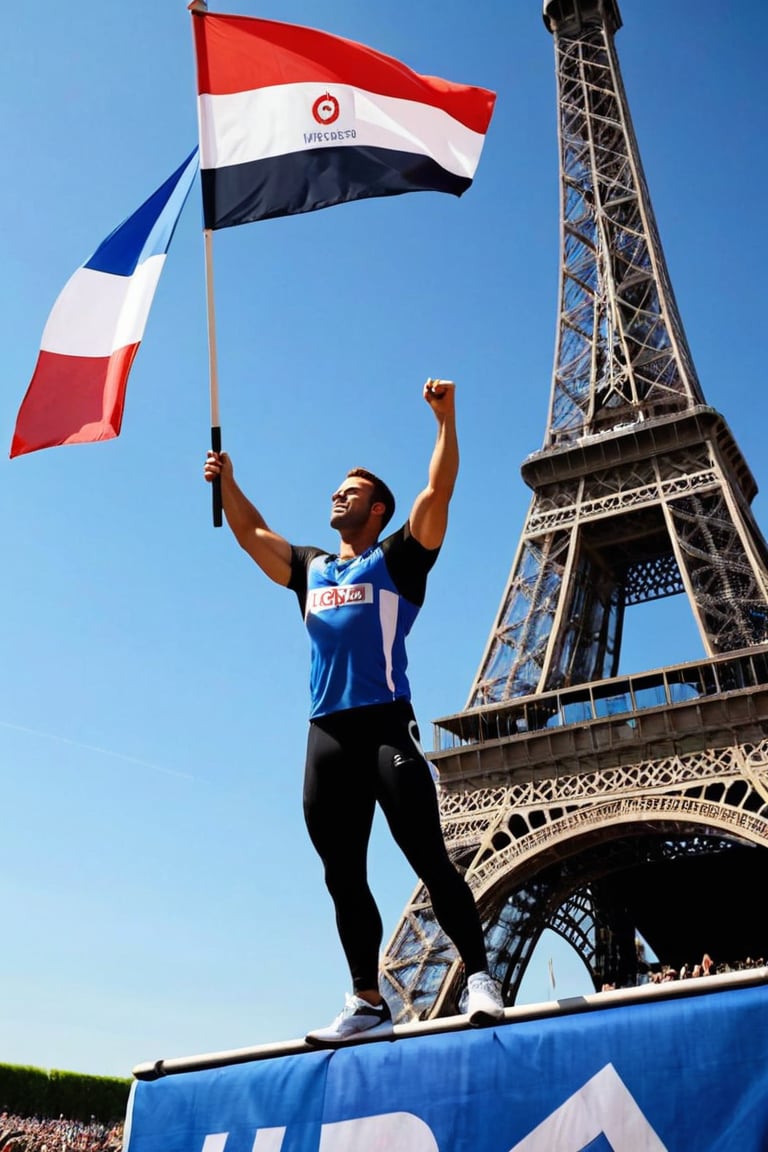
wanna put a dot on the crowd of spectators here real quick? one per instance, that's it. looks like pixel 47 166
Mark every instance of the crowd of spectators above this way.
pixel 707 967
pixel 657 973
pixel 33 1134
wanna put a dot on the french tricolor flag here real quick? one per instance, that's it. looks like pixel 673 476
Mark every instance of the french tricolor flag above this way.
pixel 293 119
pixel 77 391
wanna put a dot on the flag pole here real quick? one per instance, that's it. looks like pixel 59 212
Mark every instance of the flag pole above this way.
pixel 200 6
pixel 213 371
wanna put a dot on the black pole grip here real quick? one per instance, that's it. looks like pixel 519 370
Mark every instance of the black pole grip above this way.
pixel 216 486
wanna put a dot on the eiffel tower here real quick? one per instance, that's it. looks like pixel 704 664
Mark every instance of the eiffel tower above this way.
pixel 601 806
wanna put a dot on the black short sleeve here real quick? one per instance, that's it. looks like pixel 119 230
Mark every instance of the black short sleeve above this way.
pixel 301 558
pixel 408 563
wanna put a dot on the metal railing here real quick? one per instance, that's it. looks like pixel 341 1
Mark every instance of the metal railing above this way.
pixel 603 699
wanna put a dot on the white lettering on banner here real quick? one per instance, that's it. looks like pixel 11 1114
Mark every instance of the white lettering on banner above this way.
pixel 383 1133
pixel 603 1107
pixel 266 1140
pixel 338 596
pixel 215 1141
pixel 269 1140
pixel 374 1133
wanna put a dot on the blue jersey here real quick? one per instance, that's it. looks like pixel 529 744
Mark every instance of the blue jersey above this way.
pixel 358 613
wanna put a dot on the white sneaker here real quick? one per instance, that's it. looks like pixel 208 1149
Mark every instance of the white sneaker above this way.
pixel 357 1018
pixel 481 1000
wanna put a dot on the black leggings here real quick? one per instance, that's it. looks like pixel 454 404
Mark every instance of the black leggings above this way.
pixel 354 759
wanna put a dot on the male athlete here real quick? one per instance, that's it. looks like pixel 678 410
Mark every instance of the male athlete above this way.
pixel 363 745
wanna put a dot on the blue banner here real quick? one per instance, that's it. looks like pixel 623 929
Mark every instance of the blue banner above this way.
pixel 665 1076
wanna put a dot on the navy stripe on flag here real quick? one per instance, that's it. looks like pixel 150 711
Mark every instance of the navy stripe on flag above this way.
pixel 318 178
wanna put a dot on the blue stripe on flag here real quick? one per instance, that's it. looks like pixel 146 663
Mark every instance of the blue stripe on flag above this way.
pixel 149 230
pixel 317 178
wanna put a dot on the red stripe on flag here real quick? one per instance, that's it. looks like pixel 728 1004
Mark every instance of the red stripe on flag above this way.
pixel 241 54
pixel 73 400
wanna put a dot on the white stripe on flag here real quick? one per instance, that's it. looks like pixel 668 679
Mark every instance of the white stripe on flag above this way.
pixel 97 312
pixel 266 122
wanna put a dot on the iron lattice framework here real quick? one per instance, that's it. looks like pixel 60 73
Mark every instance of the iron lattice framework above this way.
pixel 639 492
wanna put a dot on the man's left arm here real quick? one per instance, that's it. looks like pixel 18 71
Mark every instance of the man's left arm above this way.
pixel 429 515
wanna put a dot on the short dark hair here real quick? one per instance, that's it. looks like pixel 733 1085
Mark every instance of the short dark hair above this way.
pixel 381 494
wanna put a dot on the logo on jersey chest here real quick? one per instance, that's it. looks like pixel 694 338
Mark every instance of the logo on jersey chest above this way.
pixel 339 596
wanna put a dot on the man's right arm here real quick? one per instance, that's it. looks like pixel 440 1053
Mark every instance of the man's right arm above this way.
pixel 271 552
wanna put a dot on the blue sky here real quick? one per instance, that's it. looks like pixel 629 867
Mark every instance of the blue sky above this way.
pixel 159 895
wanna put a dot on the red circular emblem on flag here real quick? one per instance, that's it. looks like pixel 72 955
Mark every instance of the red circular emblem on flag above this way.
pixel 326 109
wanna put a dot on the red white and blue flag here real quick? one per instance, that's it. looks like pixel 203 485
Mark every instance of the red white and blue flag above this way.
pixel 77 391
pixel 293 119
